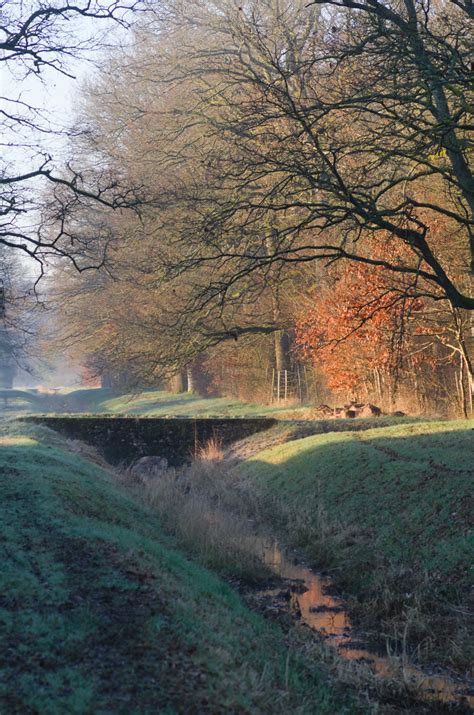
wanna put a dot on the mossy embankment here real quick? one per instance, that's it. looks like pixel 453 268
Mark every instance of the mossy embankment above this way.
pixel 100 613
pixel 389 512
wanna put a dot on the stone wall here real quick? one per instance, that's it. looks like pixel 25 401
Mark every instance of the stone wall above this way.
pixel 123 440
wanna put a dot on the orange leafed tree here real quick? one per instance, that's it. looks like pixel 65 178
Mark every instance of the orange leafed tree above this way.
pixel 356 327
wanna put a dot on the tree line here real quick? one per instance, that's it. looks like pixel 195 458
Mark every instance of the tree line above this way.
pixel 294 188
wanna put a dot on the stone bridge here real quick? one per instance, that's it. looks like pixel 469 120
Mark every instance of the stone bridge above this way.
pixel 123 440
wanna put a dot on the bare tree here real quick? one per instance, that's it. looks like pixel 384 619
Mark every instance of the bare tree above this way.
pixel 274 134
pixel 18 315
pixel 40 194
pixel 356 125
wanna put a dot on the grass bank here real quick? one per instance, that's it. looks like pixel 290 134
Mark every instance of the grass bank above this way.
pixel 159 403
pixel 99 612
pixel 153 403
pixel 389 512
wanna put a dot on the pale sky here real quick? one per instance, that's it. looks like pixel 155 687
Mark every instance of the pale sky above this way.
pixel 53 93
pixel 56 96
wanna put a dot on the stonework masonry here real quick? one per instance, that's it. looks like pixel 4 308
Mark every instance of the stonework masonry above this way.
pixel 123 440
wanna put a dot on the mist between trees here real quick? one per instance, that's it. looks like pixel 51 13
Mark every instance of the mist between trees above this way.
pixel 283 196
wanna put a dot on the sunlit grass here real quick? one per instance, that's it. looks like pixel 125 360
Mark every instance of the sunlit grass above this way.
pixel 390 511
pixel 6 441
pixel 157 403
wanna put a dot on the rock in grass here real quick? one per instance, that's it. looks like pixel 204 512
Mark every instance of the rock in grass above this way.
pixel 146 467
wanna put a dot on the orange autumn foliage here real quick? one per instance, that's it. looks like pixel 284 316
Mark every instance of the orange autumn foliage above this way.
pixel 356 325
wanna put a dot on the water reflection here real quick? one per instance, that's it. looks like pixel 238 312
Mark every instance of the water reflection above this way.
pixel 326 615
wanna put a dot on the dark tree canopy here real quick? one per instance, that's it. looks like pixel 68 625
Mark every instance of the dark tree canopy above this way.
pixel 324 125
pixel 286 151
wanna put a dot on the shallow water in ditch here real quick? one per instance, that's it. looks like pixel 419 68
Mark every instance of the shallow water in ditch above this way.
pixel 328 616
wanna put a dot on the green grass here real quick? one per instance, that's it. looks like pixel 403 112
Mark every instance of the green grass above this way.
pixel 159 403
pixel 389 510
pixel 18 400
pixel 408 485
pixel 100 613
pixel 156 403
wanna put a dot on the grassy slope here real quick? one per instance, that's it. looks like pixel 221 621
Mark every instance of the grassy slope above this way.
pixel 159 403
pixel 99 613
pixel 394 500
pixel 408 485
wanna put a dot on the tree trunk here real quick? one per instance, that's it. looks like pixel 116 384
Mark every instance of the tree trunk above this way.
pixel 191 381
pixel 466 343
pixel 462 388
pixel 282 351
pixel 177 383
pixel 281 337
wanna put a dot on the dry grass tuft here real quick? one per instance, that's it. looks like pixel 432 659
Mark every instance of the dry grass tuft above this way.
pixel 197 505
pixel 211 451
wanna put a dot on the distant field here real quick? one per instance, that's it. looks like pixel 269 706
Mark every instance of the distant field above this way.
pixel 159 403
pixel 101 613
pixel 390 511
pixel 150 402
